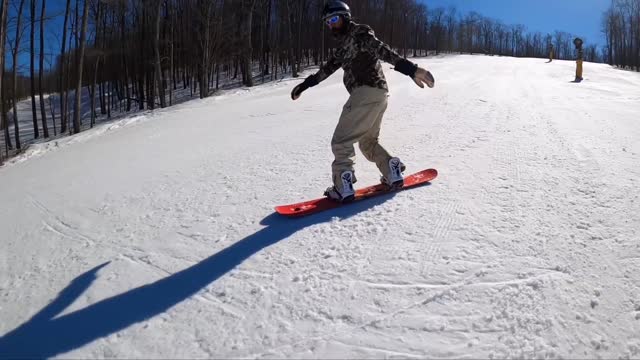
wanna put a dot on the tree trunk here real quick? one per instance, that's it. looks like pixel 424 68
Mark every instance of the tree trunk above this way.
pixel 16 49
pixel 83 36
pixel 63 65
pixel 2 8
pixel 110 83
pixel 102 98
pixel 158 67
pixel 294 71
pixel 205 43
pixel 93 92
pixel 322 51
pixel 245 31
pixel 43 111
pixel 415 42
pixel 267 40
pixel 217 76
pixel 301 8
pixel 171 64
pixel 4 122
pixel 262 50
pixel 32 65
pixel 151 93
pixel 141 67
pixel 92 89
pixel 53 115
pixel 123 42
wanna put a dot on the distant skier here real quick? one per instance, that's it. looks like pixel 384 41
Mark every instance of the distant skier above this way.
pixel 550 52
pixel 358 53
pixel 578 43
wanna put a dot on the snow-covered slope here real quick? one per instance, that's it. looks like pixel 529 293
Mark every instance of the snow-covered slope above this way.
pixel 157 239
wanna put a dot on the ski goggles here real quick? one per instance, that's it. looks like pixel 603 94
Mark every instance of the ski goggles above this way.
pixel 332 20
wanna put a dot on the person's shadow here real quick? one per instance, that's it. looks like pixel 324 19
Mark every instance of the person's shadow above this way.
pixel 45 335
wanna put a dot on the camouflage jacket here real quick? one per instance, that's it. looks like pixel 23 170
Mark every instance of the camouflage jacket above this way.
pixel 358 53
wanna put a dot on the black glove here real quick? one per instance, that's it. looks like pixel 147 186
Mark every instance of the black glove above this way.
pixel 307 83
pixel 419 75
pixel 406 67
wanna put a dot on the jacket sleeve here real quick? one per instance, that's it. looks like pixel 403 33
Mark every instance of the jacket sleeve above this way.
pixel 384 52
pixel 325 71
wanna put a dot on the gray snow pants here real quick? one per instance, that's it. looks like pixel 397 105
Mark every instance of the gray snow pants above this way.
pixel 360 123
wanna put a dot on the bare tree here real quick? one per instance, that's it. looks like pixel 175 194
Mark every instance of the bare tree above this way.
pixel 32 55
pixel 4 123
pixel 158 63
pixel 43 112
pixel 437 29
pixel 246 17
pixel 83 36
pixel 63 66
pixel 96 65
pixel 294 69
pixel 205 17
pixel 16 50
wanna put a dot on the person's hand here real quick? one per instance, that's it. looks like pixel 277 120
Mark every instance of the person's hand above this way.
pixel 297 91
pixel 422 77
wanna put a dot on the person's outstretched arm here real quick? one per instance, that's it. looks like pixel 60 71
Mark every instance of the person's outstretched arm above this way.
pixel 384 52
pixel 325 71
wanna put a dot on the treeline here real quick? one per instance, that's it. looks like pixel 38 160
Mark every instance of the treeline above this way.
pixel 137 54
pixel 621 26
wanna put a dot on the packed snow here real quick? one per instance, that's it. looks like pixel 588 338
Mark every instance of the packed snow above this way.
pixel 155 236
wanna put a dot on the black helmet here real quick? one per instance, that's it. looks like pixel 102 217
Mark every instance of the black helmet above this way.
pixel 577 42
pixel 334 7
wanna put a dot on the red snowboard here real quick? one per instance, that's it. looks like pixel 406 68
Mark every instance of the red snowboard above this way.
pixel 321 204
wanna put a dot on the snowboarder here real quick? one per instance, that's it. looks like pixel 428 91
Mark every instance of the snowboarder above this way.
pixel 578 43
pixel 358 53
pixel 550 52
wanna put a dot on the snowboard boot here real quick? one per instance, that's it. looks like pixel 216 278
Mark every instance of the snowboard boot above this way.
pixel 343 193
pixel 394 179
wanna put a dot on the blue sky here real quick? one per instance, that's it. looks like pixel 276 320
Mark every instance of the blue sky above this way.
pixel 578 17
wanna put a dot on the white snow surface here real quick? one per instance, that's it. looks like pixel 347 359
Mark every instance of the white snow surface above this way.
pixel 158 239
